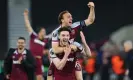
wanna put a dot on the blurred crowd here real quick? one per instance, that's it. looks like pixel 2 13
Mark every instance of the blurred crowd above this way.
pixel 109 62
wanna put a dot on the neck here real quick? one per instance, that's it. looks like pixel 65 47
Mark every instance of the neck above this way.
pixel 62 25
pixel 40 38
pixel 20 50
pixel 61 44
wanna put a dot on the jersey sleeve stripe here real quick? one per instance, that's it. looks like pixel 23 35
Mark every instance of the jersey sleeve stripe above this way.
pixel 76 24
pixel 55 41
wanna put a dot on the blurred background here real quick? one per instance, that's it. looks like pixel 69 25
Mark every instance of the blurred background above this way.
pixel 113 25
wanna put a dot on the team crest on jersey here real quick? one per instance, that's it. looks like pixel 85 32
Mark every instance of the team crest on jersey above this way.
pixel 54 35
pixel 78 67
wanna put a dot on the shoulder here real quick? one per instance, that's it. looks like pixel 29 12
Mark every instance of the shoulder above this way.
pixel 75 24
pixel 56 30
pixel 55 33
pixel 11 49
pixel 46 40
pixel 27 51
pixel 33 33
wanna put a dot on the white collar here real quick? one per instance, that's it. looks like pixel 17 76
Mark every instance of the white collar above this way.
pixel 16 51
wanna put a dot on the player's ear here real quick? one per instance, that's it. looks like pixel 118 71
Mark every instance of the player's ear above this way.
pixel 62 20
pixel 59 36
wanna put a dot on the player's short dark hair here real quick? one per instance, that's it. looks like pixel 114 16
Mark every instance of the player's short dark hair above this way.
pixel 61 16
pixel 22 38
pixel 67 28
pixel 39 29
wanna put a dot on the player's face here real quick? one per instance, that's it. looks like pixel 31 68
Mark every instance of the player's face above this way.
pixel 21 44
pixel 64 37
pixel 127 47
pixel 67 19
pixel 42 33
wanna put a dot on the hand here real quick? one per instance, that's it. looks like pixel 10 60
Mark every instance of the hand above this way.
pixel 38 57
pixel 67 50
pixel 82 37
pixel 73 47
pixel 8 76
pixel 20 59
pixel 91 4
pixel 26 12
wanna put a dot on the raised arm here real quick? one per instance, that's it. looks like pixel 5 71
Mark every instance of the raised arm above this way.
pixel 91 16
pixel 60 63
pixel 27 22
pixel 86 47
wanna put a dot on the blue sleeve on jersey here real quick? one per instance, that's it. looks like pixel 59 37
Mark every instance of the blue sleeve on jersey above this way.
pixel 82 24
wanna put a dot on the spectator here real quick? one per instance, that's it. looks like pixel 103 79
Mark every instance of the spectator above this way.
pixel 128 48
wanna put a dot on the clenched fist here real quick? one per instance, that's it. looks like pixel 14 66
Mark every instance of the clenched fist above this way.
pixel 91 4
pixel 26 12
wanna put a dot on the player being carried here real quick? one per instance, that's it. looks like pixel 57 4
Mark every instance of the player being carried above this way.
pixel 65 19
pixel 63 65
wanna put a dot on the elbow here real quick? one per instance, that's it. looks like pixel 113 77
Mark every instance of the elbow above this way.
pixel 89 55
pixel 91 20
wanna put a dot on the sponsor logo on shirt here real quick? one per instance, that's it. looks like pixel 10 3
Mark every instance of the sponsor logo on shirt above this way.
pixel 16 62
pixel 70 59
pixel 39 42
